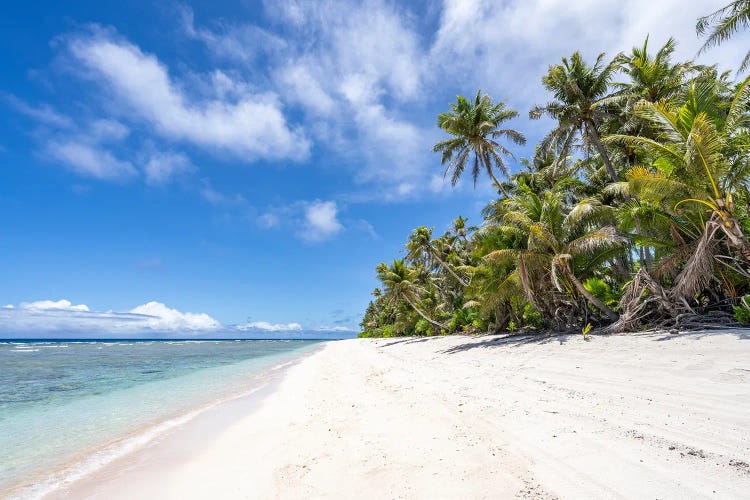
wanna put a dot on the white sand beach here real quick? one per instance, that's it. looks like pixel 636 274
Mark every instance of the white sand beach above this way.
pixel 632 416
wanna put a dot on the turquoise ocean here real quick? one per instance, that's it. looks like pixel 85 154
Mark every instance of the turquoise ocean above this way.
pixel 69 407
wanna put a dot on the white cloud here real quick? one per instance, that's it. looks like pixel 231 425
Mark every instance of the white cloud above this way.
pixel 57 305
pixel 351 68
pixel 44 113
pixel 64 316
pixel 239 42
pixel 89 160
pixel 271 327
pixel 107 130
pixel 80 149
pixel 366 227
pixel 320 221
pixel 509 62
pixel 157 316
pixel 365 76
pixel 301 87
pixel 336 329
pixel 252 125
pixel 215 197
pixel 161 167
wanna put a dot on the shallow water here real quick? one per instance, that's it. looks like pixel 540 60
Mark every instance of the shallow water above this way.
pixel 60 400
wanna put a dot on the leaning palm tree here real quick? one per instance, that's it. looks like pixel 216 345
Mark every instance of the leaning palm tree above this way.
pixel 722 24
pixel 564 242
pixel 421 247
pixel 580 105
pixel 474 128
pixel 399 282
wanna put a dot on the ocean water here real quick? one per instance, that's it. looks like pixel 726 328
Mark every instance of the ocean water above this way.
pixel 68 407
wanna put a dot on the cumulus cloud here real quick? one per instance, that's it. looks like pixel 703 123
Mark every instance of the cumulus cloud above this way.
pixel 252 125
pixel 157 316
pixel 64 316
pixel 351 67
pixel 271 327
pixel 509 62
pixel 320 221
pixel 55 305
pixel 366 80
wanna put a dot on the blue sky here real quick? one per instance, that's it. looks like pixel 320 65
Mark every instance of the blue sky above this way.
pixel 243 166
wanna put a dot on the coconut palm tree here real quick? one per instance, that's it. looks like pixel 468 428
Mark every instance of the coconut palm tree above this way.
pixel 652 77
pixel 580 107
pixel 563 241
pixel 421 246
pixel 475 128
pixel 700 158
pixel 399 282
pixel 722 24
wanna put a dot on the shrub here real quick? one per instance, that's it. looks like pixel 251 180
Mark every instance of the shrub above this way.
pixel 742 311
pixel 602 291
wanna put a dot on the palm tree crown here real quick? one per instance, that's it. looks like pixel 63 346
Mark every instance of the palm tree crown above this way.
pixel 474 128
pixel 723 23
pixel 580 93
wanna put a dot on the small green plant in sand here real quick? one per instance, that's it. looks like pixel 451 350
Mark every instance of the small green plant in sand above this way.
pixel 585 332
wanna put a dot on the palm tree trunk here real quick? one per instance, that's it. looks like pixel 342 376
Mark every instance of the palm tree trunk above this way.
pixel 498 185
pixel 427 318
pixel 594 135
pixel 613 316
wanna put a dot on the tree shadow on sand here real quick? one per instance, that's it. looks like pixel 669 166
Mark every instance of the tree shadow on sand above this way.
pixel 510 341
pixel 663 336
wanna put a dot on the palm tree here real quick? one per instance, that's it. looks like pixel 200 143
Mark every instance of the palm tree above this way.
pixel 421 246
pixel 474 128
pixel 723 23
pixel 651 77
pixel 564 242
pixel 399 284
pixel 580 104
pixel 460 229
pixel 700 158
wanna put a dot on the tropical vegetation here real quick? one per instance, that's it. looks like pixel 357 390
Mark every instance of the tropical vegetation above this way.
pixel 633 213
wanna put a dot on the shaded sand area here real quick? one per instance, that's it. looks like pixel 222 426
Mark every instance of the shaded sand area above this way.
pixel 639 416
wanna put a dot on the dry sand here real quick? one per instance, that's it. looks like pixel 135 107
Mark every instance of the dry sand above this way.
pixel 638 416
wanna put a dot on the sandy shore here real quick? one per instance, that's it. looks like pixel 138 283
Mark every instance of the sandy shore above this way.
pixel 641 416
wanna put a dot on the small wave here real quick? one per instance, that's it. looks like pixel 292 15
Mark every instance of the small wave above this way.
pixel 19 349
pixel 106 455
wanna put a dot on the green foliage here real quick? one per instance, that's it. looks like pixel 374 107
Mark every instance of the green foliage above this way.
pixel 603 291
pixel 585 332
pixel 422 327
pixel 464 320
pixel 532 317
pixel 636 202
pixel 742 311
